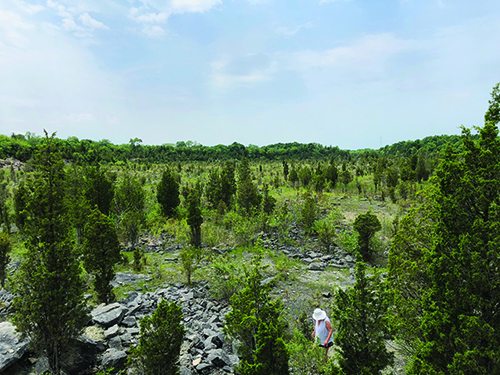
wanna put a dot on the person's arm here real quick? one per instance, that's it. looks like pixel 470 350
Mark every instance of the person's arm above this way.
pixel 330 332
pixel 313 332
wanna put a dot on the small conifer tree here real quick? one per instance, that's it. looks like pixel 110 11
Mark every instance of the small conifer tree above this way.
pixel 248 196
pixel 160 343
pixel 99 191
pixel 195 218
pixel 366 225
pixel 285 170
pixel 101 253
pixel 361 316
pixel 268 201
pixel 168 193
pixel 256 322
pixel 308 212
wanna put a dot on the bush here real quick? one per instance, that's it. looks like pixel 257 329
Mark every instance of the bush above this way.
pixel 160 342
pixel 282 222
pixel 305 356
pixel 227 278
pixel 190 261
pixel 326 231
pixel 242 227
pixel 308 213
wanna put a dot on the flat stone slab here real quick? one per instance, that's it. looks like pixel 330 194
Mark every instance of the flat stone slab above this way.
pixel 108 315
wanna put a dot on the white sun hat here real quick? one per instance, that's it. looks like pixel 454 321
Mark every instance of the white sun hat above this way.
pixel 319 314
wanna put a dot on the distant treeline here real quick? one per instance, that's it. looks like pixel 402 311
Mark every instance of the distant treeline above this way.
pixel 86 151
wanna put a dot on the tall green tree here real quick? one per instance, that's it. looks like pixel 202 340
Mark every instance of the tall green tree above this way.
pixel 345 176
pixel 444 263
pixel 363 327
pixel 294 177
pixel 195 218
pixel 308 212
pixel 459 325
pixel 256 322
pixel 77 203
pixel 49 303
pixel 248 196
pixel 228 183
pixel 285 170
pixel 493 113
pixel 168 193
pixel 268 201
pixel 213 188
pixel 221 185
pixel 366 225
pixel 160 342
pixel 101 253
pixel 99 191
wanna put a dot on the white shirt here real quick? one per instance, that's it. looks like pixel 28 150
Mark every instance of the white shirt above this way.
pixel 322 332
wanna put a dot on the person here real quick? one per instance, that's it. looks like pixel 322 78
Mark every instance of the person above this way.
pixel 323 330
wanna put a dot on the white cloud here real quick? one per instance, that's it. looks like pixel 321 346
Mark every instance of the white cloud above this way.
pixel 92 23
pixel 285 31
pixel 70 25
pixel 154 31
pixel 194 6
pixel 153 17
pixel 158 11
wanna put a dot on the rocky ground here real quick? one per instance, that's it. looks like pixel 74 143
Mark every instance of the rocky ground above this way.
pixel 112 329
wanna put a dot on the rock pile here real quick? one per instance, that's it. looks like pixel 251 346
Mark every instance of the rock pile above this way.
pixel 112 329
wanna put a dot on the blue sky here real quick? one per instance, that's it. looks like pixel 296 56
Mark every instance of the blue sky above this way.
pixel 354 74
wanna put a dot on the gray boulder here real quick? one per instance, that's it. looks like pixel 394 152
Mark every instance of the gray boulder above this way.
pixel 108 315
pixel 11 348
pixel 218 358
pixel 115 359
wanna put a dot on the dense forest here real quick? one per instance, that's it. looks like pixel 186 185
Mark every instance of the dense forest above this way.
pixel 398 246
pixel 85 151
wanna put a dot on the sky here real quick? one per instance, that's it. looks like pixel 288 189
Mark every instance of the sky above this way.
pixel 349 73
